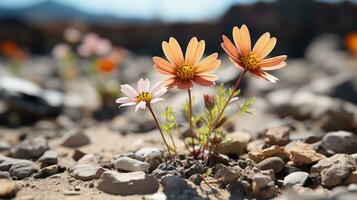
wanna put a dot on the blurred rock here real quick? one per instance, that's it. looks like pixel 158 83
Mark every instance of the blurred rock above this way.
pixel 274 163
pixel 75 138
pixel 174 183
pixel 8 189
pixel 88 159
pixel 49 171
pixel 225 175
pixel 31 148
pixel 340 142
pixel 18 168
pixel 277 136
pixel 131 165
pixel 50 157
pixel 273 151
pixel 303 154
pixel 86 172
pixel 4 145
pixel 144 152
pixel 295 179
pixel 236 145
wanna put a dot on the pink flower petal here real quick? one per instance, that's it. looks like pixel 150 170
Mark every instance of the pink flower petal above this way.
pixel 127 104
pixel 123 100
pixel 157 100
pixel 128 90
pixel 141 105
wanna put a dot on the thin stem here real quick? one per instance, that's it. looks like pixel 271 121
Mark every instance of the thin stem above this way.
pixel 159 127
pixel 236 86
pixel 190 121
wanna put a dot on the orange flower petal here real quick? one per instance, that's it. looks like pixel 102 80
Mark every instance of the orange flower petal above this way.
pixel 208 77
pixel 261 43
pixel 191 50
pixel 242 39
pixel 199 52
pixel 176 49
pixel 203 81
pixel 230 48
pixel 236 63
pixel 208 64
pixel 261 74
pixel 164 66
pixel 172 53
pixel 272 61
pixel 281 65
pixel 169 82
pixel 267 49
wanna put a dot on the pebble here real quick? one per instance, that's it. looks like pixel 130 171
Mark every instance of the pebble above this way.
pixel 275 163
pixel 142 153
pixel 75 138
pixel 351 179
pixel 224 175
pixel 31 148
pixel 340 142
pixel 113 182
pixel 8 189
pixel 50 157
pixel 166 169
pixel 77 154
pixel 86 172
pixel 18 168
pixel 256 145
pixel 301 153
pixel 277 136
pixel 49 171
pixel 196 179
pixel 5 175
pixel 171 183
pixel 273 151
pixel 295 179
pixel 4 145
pixel 237 144
pixel 335 169
pixel 131 165
pixel 88 159
pixel 261 183
pixel 154 161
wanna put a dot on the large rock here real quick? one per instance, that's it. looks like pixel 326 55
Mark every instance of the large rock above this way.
pixel 340 142
pixel 236 145
pixel 8 189
pixel 86 172
pixel 131 183
pixel 303 154
pixel 31 148
pixel 131 165
pixel 335 169
pixel 75 138
pixel 18 168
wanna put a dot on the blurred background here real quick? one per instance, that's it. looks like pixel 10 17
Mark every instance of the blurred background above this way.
pixel 68 58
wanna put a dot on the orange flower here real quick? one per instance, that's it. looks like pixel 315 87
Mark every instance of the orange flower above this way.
pixel 255 60
pixel 106 65
pixel 183 70
pixel 351 41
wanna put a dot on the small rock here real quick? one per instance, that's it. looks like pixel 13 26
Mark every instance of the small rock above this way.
pixel 88 159
pixel 303 154
pixel 113 182
pixel 237 145
pixel 273 151
pixel 166 169
pixel 256 145
pixel 196 168
pixel 295 179
pixel 277 136
pixel 86 172
pixel 50 157
pixel 18 168
pixel 260 183
pixel 351 179
pixel 4 145
pixel 31 148
pixel 49 171
pixel 5 175
pixel 340 142
pixel 196 179
pixel 77 154
pixel 171 183
pixel 131 165
pixel 225 175
pixel 335 169
pixel 142 153
pixel 75 138
pixel 154 161
pixel 274 163
pixel 8 189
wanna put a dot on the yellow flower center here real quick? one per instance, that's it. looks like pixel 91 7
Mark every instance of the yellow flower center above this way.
pixel 185 72
pixel 251 61
pixel 144 96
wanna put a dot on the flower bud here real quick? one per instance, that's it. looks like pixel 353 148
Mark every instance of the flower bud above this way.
pixel 209 101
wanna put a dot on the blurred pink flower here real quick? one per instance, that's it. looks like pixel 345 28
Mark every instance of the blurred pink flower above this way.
pixel 93 45
pixel 143 96
pixel 72 35
pixel 61 51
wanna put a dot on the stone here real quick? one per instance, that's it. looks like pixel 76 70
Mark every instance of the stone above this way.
pixel 236 145
pixel 277 136
pixel 196 179
pixel 131 165
pixel 77 154
pixel 86 172
pixel 49 171
pixel 50 157
pixel 88 159
pixel 261 182
pixel 351 179
pixel 335 169
pixel 256 145
pixel 131 183
pixel 166 169
pixel 8 189
pixel 171 183
pixel 274 163
pixel 196 168
pixel 5 175
pixel 295 179
pixel 142 153
pixel 17 168
pixel 225 175
pixel 154 161
pixel 31 148
pixel 354 156
pixel 4 145
pixel 273 151
pixel 340 142
pixel 303 154
pixel 75 138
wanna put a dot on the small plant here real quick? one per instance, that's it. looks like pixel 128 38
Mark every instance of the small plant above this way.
pixel 206 128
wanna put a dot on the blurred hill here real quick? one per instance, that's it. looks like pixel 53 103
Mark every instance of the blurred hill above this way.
pixel 295 23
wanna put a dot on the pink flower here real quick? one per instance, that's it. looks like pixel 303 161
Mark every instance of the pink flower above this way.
pixel 143 96
pixel 93 45
pixel 72 35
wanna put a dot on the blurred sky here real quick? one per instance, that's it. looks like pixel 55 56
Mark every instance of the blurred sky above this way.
pixel 168 10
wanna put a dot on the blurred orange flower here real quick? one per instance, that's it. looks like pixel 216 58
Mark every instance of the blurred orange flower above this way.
pixel 106 65
pixel 351 41
pixel 11 50
pixel 255 60
pixel 183 70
